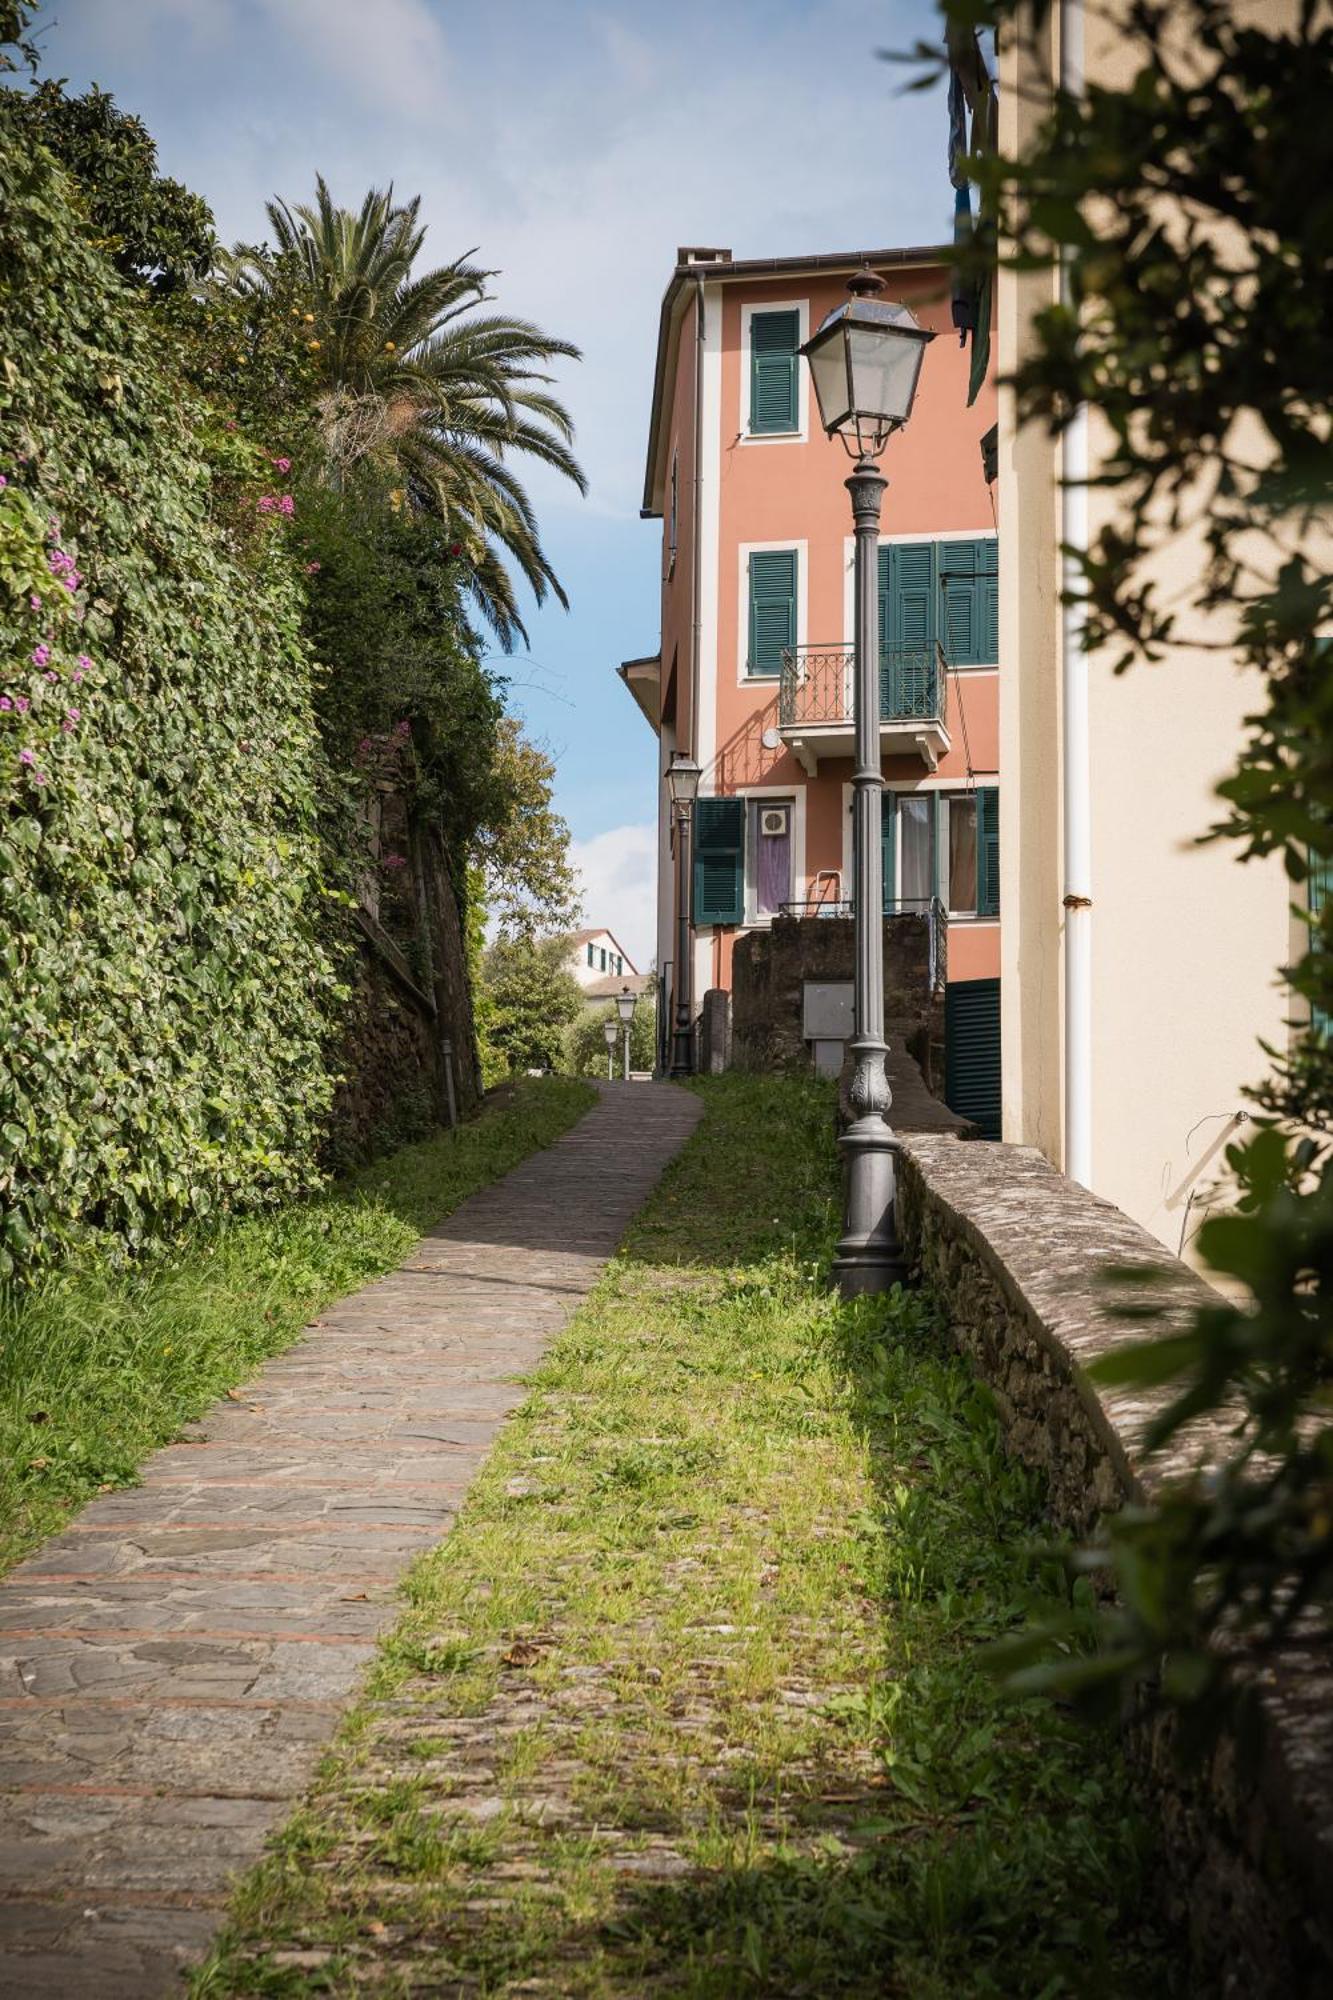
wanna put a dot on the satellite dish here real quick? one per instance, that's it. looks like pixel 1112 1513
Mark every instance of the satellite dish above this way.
pixel 771 739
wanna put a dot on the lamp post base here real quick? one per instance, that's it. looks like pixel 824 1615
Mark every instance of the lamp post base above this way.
pixel 870 1254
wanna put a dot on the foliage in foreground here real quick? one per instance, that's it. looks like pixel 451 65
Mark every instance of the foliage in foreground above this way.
pixel 99 1366
pixel 690 1700
pixel 1189 207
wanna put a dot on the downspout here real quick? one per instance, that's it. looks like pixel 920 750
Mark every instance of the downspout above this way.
pixel 1076 786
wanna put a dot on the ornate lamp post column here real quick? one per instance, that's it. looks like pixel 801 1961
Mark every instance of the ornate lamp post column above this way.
pixel 864 362
pixel 625 1005
pixel 682 778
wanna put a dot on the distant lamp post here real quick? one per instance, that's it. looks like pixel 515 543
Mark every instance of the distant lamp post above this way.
pixel 610 1033
pixel 682 778
pixel 626 1002
pixel 865 361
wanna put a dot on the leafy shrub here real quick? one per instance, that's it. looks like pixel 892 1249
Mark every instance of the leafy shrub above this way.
pixel 165 997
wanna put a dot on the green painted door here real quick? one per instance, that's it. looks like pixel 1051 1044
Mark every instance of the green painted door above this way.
pixel 972 1052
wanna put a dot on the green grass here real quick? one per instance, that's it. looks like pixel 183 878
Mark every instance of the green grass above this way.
pixel 99 1366
pixel 692 1701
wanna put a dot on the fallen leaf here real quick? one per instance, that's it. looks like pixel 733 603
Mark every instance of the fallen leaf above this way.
pixel 521 1654
pixel 38 1464
pixel 357 1597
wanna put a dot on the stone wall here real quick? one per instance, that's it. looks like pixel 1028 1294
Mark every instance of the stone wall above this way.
pixel 1018 1255
pixel 769 969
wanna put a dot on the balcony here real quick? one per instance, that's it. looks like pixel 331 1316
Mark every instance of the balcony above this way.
pixel 815 703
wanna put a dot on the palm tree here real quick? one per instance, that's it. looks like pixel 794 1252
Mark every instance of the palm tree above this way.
pixel 419 385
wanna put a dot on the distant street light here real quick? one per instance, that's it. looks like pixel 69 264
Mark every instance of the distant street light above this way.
pixel 865 361
pixel 682 778
pixel 610 1031
pixel 626 1002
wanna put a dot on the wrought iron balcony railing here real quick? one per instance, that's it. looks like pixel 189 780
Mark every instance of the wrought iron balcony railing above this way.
pixel 816 685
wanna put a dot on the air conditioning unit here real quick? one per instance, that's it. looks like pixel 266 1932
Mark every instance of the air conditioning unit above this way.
pixel 773 822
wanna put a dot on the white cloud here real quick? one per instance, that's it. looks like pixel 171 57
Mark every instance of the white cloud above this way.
pixel 618 871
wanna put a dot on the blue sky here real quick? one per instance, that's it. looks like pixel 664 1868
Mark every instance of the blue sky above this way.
pixel 574 144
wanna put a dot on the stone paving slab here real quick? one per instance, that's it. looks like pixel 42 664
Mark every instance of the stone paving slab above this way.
pixel 173 1663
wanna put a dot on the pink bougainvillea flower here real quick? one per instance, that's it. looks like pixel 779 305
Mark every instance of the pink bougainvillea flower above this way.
pixel 283 464
pixel 74 715
pixel 40 655
pixel 85 663
pixel 67 726
pixel 27 756
pixel 50 675
pixel 3 482
pixel 34 604
pixel 39 777
pixel 22 704
pixel 286 505
pixel 6 702
pixel 267 504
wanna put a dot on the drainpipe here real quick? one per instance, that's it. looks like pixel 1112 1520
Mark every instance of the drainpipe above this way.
pixel 1076 761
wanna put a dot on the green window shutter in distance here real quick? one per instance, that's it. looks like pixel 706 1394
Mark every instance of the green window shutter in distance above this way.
pixel 772 609
pixel 774 339
pixel 888 847
pixel 719 861
pixel 970 610
pixel 988 851
pixel 911 594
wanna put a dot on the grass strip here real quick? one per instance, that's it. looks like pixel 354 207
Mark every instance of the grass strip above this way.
pixel 692 1700
pixel 99 1366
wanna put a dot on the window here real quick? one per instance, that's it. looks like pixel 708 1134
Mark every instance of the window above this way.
pixel 945 592
pixel 944 844
pixel 592 954
pixel 774 364
pixel 601 953
pixel 768 857
pixel 772 611
pixel 673 513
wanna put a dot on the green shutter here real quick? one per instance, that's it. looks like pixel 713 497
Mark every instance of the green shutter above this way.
pixel 911 594
pixel 972 1052
pixel 988 851
pixel 969 584
pixel 772 609
pixel 719 861
pixel 888 847
pixel 1319 883
pixel 774 339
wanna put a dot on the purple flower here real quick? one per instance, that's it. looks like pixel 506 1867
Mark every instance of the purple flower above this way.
pixel 395 861
pixel 22 704
pixel 3 482
pixel 39 777
pixel 283 464
pixel 68 728
pixel 40 655
pixel 85 663
pixel 34 603
pixel 286 505
pixel 27 756
pixel 73 715
pixel 267 504
pixel 50 675
pixel 5 702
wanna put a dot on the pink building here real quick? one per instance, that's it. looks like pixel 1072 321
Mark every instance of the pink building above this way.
pixel 753 673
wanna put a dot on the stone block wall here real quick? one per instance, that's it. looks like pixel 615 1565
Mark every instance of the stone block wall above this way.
pixel 769 969
pixel 1017 1256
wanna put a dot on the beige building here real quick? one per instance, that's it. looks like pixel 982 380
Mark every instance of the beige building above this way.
pixel 1140 969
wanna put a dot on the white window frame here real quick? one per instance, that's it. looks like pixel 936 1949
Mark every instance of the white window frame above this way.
pixel 801 435
pixel 787 795
pixel 744 551
pixel 934 784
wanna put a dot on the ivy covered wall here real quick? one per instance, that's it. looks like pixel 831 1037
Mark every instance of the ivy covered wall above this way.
pixel 164 998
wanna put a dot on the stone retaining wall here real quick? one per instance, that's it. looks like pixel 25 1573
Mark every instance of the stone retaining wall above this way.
pixel 1018 1255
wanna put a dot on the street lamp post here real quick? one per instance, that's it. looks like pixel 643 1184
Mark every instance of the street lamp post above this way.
pixel 609 1035
pixel 682 779
pixel 865 361
pixel 625 1005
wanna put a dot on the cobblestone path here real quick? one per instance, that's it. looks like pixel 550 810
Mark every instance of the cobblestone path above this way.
pixel 172 1665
